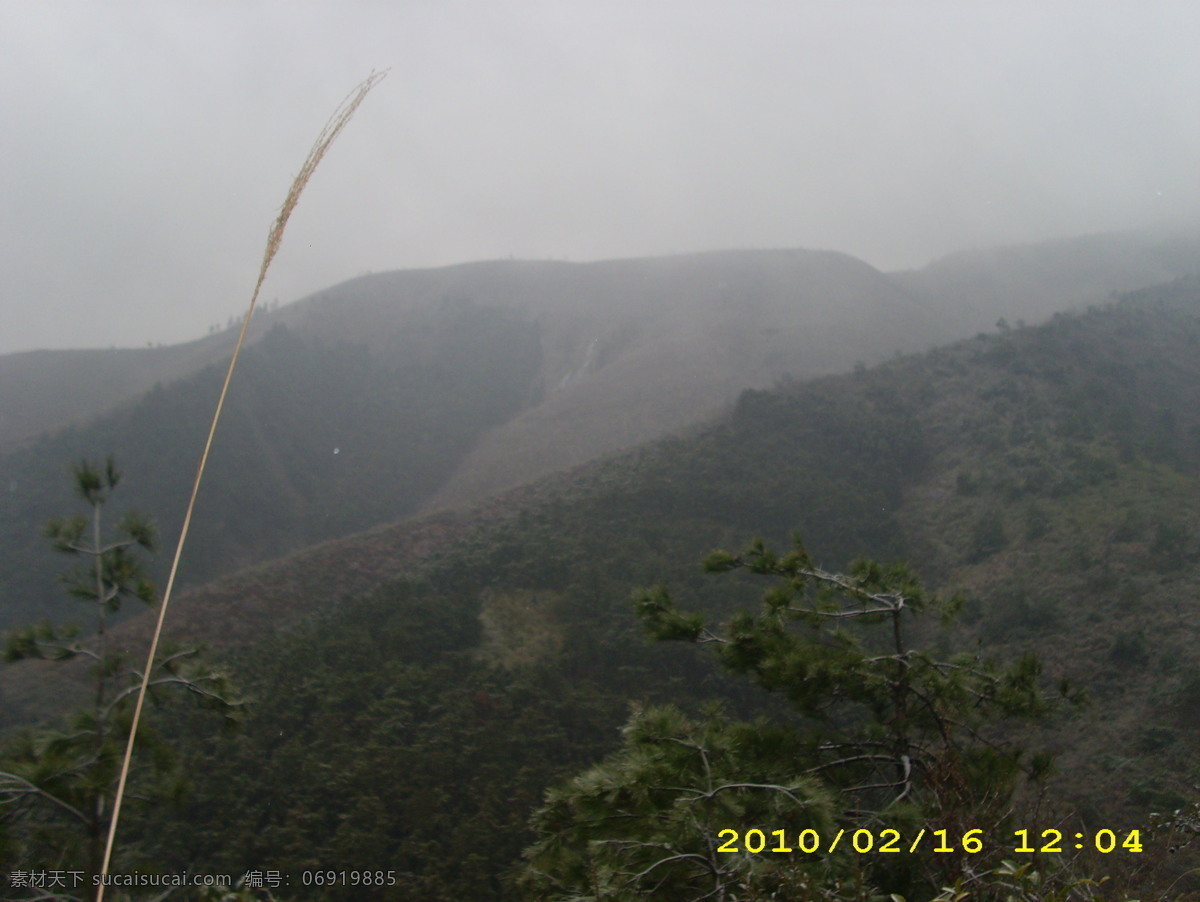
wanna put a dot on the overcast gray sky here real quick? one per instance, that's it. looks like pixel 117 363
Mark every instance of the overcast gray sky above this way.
pixel 148 145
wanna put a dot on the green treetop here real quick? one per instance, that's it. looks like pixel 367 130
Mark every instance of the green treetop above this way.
pixel 57 783
pixel 889 739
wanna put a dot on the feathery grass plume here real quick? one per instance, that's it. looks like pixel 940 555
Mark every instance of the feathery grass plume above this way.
pixel 341 116
pixel 328 135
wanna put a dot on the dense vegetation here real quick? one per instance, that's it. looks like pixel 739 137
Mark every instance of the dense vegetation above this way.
pixel 1049 473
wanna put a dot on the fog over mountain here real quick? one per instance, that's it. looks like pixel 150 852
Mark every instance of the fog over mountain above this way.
pixel 148 146
pixel 397 392
pixel 414 391
pixel 592 313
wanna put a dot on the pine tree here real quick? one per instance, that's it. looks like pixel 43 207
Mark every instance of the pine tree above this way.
pixel 57 783
pixel 652 820
pixel 889 740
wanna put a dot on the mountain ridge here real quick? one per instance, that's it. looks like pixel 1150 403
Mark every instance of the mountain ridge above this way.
pixel 358 407
pixel 33 381
pixel 435 389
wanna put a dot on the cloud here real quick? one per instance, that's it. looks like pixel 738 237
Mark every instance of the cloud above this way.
pixel 148 146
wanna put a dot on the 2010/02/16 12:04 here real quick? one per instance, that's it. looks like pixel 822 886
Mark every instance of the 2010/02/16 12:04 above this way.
pixel 862 841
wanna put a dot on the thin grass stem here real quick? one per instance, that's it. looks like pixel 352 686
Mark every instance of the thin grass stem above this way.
pixel 341 116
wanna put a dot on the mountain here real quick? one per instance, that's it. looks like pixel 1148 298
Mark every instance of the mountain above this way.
pixel 634 349
pixel 1032 281
pixel 418 391
pixel 41 391
pixel 421 685
pixel 408 391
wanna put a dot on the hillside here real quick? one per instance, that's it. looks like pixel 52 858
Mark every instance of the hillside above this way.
pixel 1050 471
pixel 44 391
pixel 319 439
pixel 404 391
pixel 1031 281
pixel 416 391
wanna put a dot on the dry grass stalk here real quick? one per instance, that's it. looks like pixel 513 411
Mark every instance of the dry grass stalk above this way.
pixel 341 116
